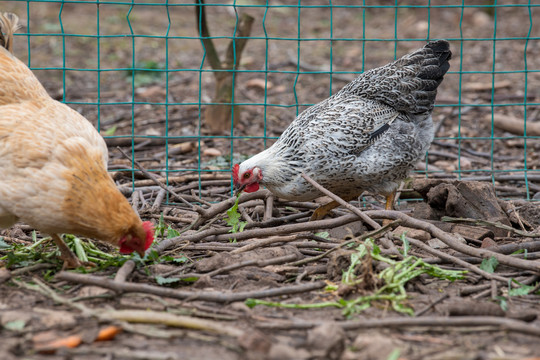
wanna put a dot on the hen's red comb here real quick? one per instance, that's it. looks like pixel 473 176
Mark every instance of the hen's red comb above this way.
pixel 149 229
pixel 235 169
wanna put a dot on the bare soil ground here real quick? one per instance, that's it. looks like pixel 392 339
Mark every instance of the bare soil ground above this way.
pixel 188 299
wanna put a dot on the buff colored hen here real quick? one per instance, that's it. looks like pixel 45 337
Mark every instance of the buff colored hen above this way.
pixel 54 165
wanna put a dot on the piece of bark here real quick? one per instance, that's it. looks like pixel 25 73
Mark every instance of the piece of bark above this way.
pixel 471 232
pixel 474 308
pixel 528 213
pixel 463 199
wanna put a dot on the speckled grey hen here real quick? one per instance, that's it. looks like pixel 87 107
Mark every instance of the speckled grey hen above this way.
pixel 366 137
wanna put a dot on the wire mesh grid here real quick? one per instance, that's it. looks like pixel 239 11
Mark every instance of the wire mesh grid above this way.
pixel 140 71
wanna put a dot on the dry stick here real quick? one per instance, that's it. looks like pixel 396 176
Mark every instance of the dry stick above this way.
pixel 455 260
pixel 135 201
pixel 449 240
pixel 135 315
pixel 181 179
pixel 155 317
pixel 155 179
pixel 24 270
pixel 224 235
pixel 427 321
pixel 215 296
pixel 258 263
pixel 221 207
pixel 494 290
pixel 376 232
pixel 342 202
pixel 468 290
pixel 268 241
pixel 157 202
pixel 225 269
pixel 124 271
pixel 268 208
pixel 428 307
pixel 289 228
pixel 490 223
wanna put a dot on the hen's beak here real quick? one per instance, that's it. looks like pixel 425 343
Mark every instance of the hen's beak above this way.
pixel 239 190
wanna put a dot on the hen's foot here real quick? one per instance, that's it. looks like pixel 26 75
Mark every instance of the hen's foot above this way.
pixel 71 261
pixel 389 206
pixel 323 210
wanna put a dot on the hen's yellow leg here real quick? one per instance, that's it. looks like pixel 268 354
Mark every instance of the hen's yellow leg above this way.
pixel 390 198
pixel 71 261
pixel 323 210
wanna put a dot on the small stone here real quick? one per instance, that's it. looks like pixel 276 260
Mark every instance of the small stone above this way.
pixel 259 84
pixel 211 152
pixel 326 341
pixel 464 163
pixel 437 244
pixel 487 243
pixel 412 233
pixel 371 347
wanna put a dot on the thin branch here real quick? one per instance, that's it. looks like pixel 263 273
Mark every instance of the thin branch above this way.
pixel 236 46
pixel 375 233
pixel 204 33
pixel 480 222
pixel 214 296
pixel 456 261
pixel 155 179
pixel 355 210
pixel 427 321
pixel 449 240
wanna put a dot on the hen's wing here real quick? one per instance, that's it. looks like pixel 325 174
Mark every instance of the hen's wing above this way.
pixel 408 84
pixel 342 126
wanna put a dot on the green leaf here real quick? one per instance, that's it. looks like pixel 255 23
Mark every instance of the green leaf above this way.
pixel 394 355
pixel 4 245
pixel 323 234
pixel 489 265
pixel 521 251
pixel 180 260
pixel 164 281
pixel 250 303
pixel 15 325
pixel 520 291
pixel 160 227
pixel 406 245
pixel 110 131
pixel 171 233
pixel 502 303
pixel 233 218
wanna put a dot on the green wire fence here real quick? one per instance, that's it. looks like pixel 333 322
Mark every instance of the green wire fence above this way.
pixel 144 74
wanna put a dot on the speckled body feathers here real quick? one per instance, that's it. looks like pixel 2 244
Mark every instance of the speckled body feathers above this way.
pixel 366 137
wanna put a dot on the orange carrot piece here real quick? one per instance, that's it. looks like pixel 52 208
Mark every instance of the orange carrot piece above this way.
pixel 50 347
pixel 108 333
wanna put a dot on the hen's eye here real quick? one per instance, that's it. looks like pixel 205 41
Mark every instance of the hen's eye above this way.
pixel 246 176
